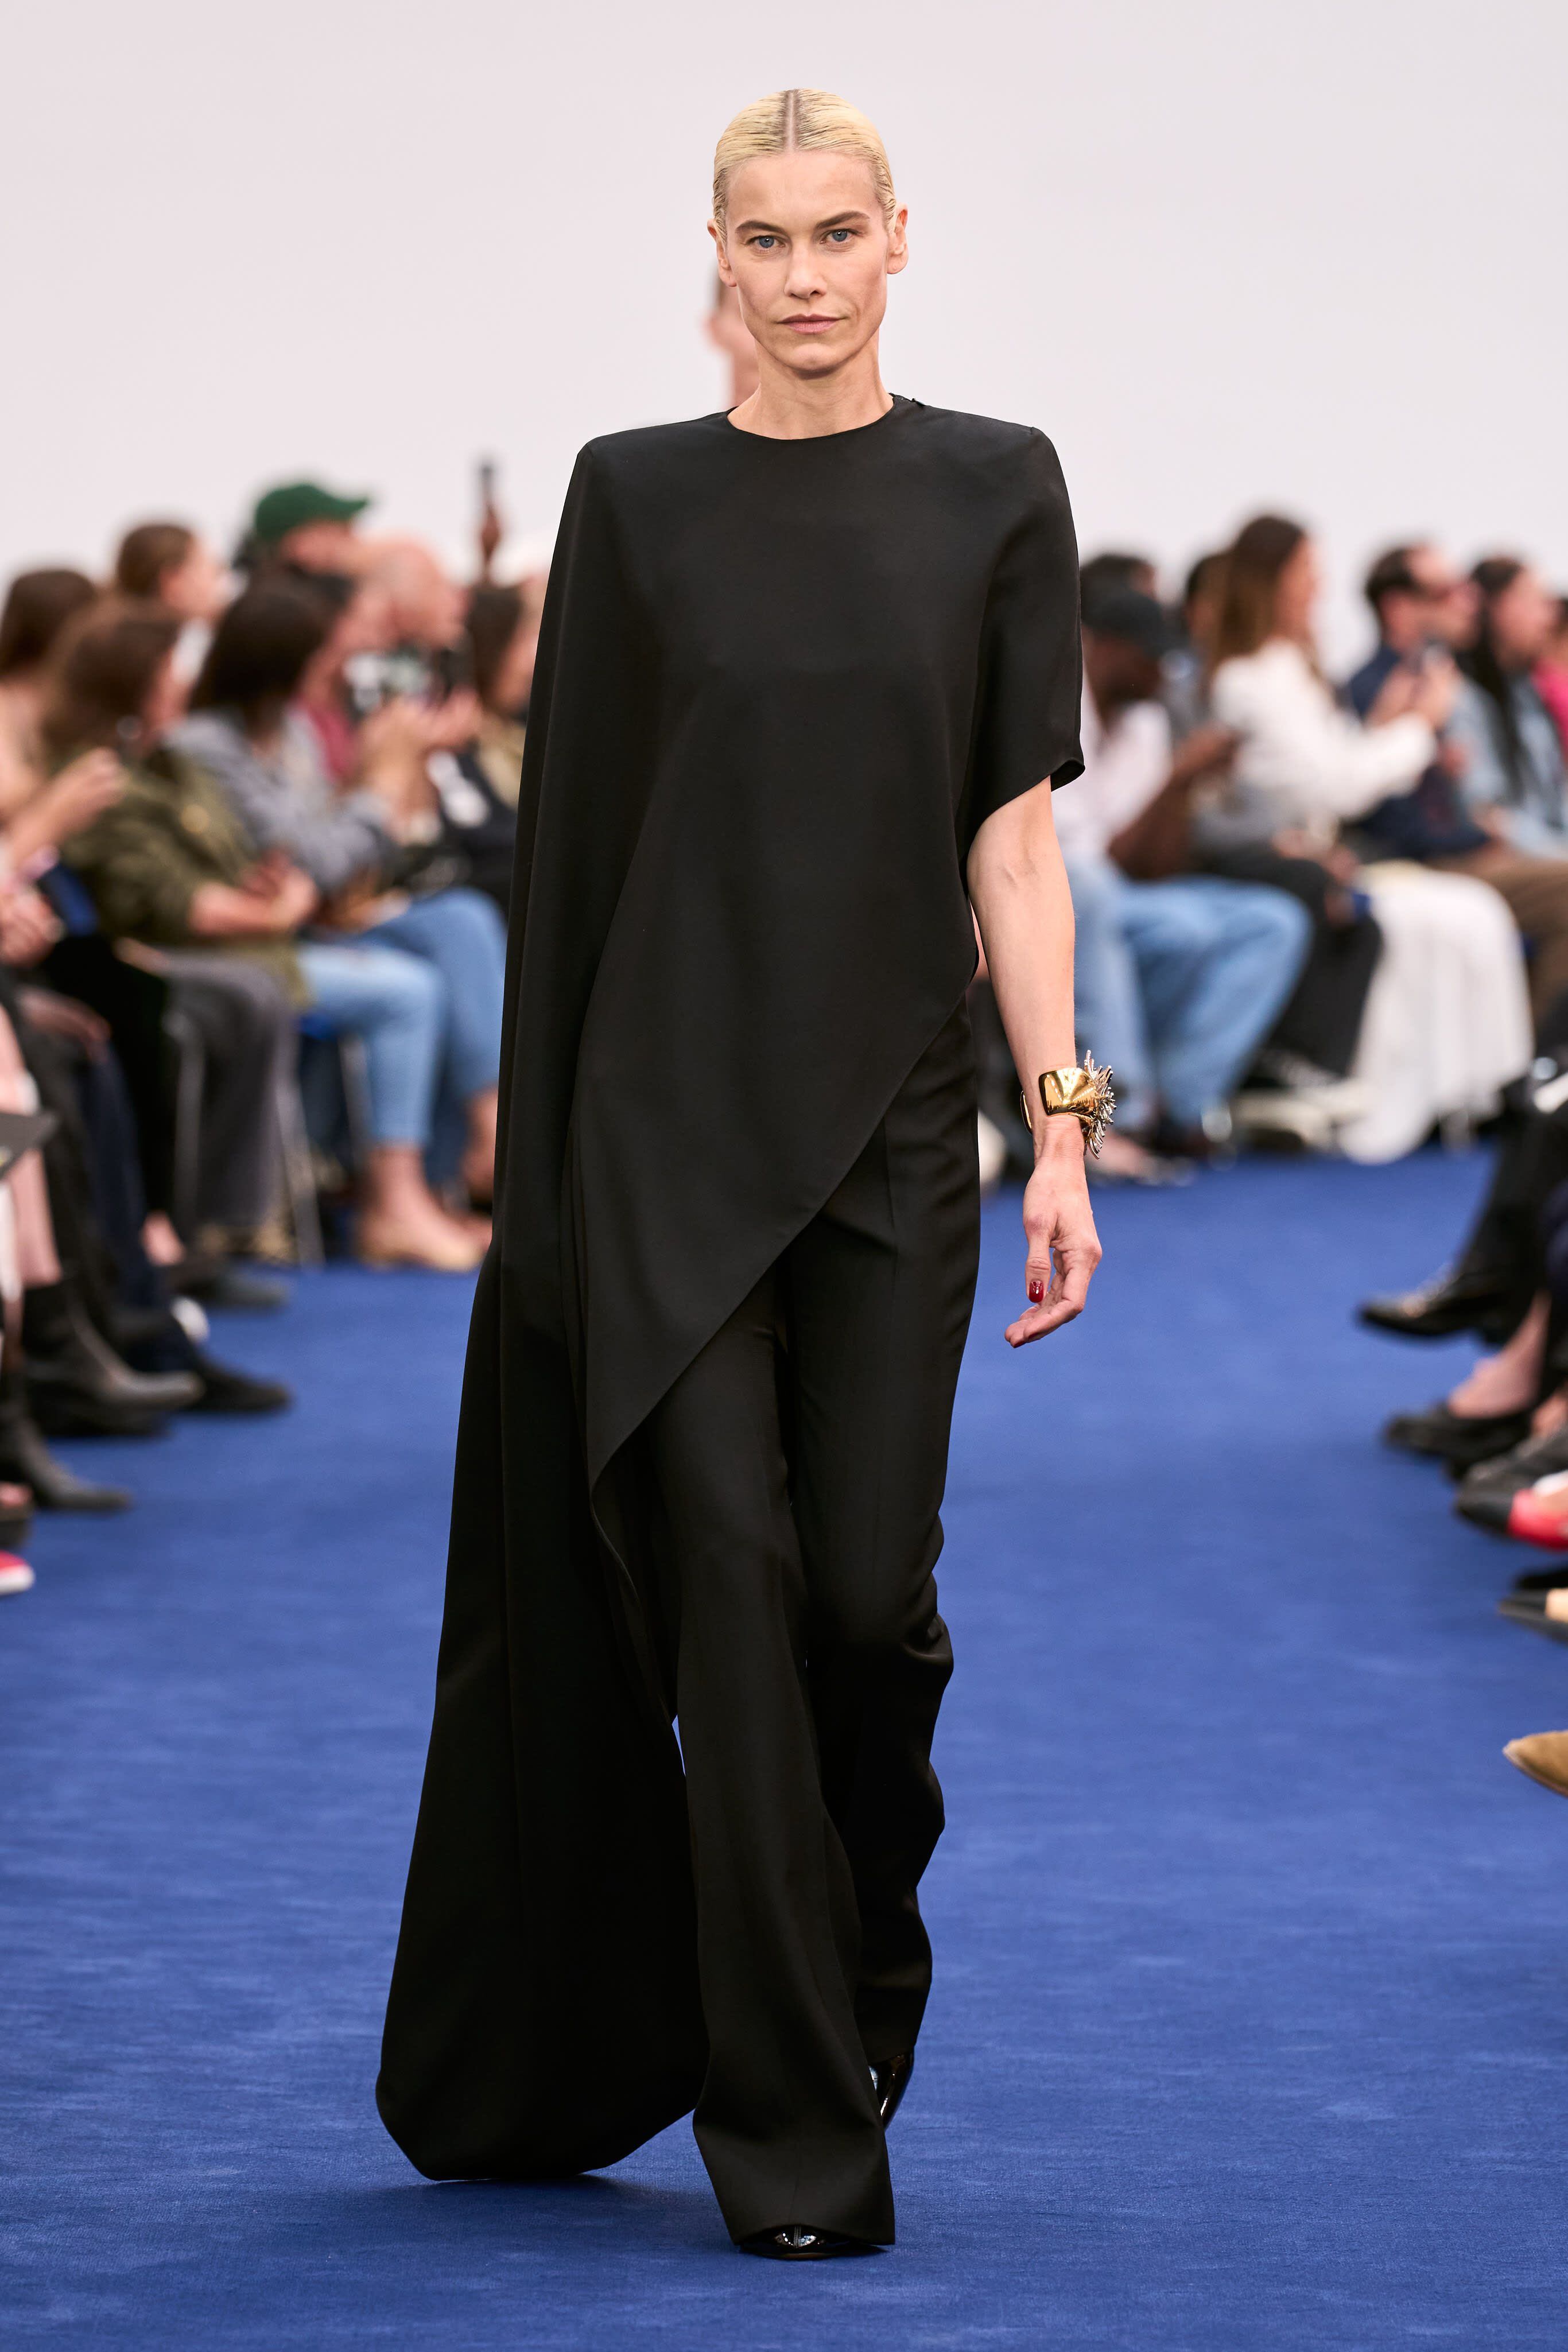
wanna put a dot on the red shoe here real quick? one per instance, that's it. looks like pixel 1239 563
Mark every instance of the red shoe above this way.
pixel 16 1576
pixel 1539 1514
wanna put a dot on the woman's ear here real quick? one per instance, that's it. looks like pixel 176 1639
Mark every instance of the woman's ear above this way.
pixel 725 272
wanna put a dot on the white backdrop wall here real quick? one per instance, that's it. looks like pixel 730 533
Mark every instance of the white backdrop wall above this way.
pixel 1300 253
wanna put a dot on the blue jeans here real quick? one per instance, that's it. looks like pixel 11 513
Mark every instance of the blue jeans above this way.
pixel 397 1006
pixel 1178 982
pixel 462 935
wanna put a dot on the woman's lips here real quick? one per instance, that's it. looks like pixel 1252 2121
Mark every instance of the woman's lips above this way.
pixel 809 324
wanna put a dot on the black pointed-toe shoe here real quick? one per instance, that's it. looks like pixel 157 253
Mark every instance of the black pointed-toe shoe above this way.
pixel 891 2077
pixel 1461 1440
pixel 796 2243
pixel 1454 1300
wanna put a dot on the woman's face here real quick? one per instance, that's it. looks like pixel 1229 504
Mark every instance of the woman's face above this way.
pixel 809 254
pixel 166 702
pixel 1524 620
pixel 1296 596
pixel 197 587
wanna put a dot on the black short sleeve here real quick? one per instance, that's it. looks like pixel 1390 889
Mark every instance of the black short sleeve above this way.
pixel 1031 682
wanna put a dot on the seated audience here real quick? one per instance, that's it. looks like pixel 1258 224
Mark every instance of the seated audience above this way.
pixel 503 644
pixel 1186 690
pixel 301 527
pixel 1111 570
pixel 115 682
pixel 172 866
pixel 243 730
pixel 167 563
pixel 428 660
pixel 38 606
pixel 1178 976
pixel 1437 1021
pixel 1422 605
pixel 1514 774
pixel 1552 674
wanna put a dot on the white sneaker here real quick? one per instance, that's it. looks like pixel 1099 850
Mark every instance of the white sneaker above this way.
pixel 16 1576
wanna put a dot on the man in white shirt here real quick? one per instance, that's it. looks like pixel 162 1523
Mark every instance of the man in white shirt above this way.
pixel 1179 977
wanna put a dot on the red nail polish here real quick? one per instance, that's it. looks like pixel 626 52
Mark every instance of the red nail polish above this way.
pixel 1037 1290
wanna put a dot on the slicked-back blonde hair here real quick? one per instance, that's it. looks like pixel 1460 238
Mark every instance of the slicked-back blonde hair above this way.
pixel 796 119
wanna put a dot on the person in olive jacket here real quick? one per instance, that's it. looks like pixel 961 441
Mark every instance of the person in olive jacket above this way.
pixel 170 866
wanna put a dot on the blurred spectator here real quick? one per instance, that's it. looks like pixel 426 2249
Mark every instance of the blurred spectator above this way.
pixel 1178 977
pixel 430 660
pixel 503 644
pixel 1186 690
pixel 1446 1023
pixel 1423 606
pixel 730 335
pixel 1420 603
pixel 115 682
pixel 38 606
pixel 328 699
pixel 167 563
pixel 1110 569
pixel 1514 771
pixel 171 867
pixel 243 730
pixel 1552 674
pixel 304 526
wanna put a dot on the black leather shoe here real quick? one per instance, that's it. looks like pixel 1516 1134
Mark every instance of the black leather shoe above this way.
pixel 75 1380
pixel 168 1347
pixel 225 1391
pixel 1452 1301
pixel 1459 1439
pixel 891 2076
pixel 25 1457
pixel 1529 1608
pixel 1487 1491
pixel 795 2244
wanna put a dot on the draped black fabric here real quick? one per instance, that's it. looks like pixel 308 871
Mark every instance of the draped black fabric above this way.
pixel 781 683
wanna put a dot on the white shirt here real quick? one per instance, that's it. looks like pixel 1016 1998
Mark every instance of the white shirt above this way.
pixel 1124 765
pixel 1302 760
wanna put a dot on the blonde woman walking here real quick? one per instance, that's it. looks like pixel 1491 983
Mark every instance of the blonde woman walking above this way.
pixel 807 672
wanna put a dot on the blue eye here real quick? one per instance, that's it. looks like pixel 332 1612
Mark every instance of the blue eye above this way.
pixel 841 234
pixel 760 241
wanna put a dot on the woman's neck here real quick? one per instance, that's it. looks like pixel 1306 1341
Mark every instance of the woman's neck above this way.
pixel 788 407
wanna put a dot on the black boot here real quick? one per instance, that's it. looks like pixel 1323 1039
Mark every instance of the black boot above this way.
pixel 162 1343
pixel 76 1381
pixel 26 1460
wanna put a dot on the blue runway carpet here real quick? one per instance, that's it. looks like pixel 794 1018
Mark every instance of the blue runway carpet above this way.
pixel 1251 2019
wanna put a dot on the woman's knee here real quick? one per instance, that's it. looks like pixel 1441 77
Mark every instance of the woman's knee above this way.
pixel 404 991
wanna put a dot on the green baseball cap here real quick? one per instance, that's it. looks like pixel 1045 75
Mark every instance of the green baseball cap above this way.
pixel 293 504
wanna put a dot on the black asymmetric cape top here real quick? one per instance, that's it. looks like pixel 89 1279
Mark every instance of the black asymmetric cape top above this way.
pixel 781 683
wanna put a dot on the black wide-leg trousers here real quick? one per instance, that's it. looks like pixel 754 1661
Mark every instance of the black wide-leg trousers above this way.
pixel 797 1468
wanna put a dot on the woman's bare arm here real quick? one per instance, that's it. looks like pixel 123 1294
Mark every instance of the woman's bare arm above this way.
pixel 1018 887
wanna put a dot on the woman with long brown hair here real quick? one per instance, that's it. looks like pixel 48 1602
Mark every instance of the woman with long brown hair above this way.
pixel 1432 1021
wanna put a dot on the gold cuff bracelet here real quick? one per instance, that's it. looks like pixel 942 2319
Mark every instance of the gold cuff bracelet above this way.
pixel 1084 1095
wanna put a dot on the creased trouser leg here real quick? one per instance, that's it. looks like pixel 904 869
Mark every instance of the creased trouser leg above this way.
pixel 799 1465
